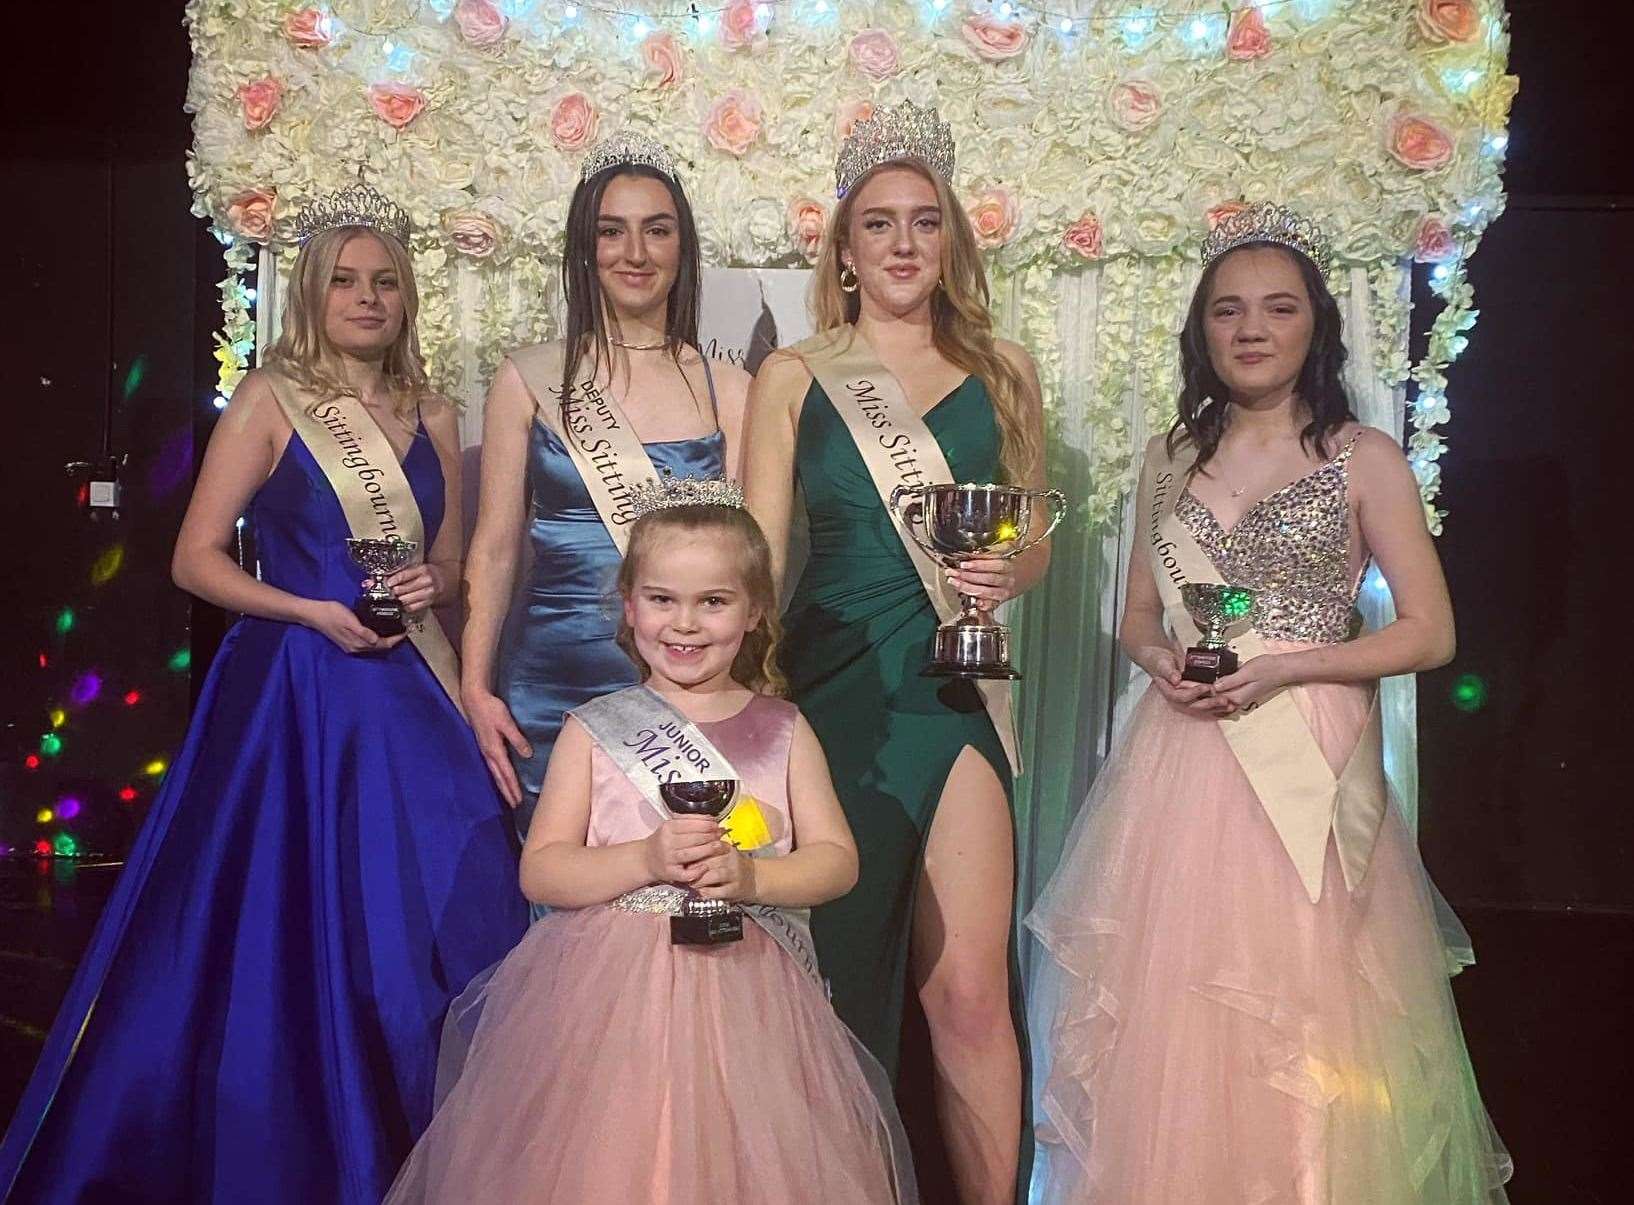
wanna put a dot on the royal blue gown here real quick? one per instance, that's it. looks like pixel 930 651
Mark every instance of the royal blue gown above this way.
pixel 326 866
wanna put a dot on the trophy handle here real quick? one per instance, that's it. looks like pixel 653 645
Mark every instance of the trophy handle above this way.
pixel 905 514
pixel 1058 503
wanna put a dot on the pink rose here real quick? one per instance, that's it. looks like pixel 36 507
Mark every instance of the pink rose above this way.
pixel 740 25
pixel 874 53
pixel 1434 242
pixel 808 222
pixel 1083 237
pixel 308 29
pixel 993 217
pixel 733 122
pixel 1135 103
pixel 573 121
pixel 472 232
pixel 664 59
pixel 1448 20
pixel 1222 211
pixel 1419 143
pixel 480 21
pixel 851 112
pixel 992 39
pixel 260 100
pixel 250 212
pixel 396 104
pixel 1248 39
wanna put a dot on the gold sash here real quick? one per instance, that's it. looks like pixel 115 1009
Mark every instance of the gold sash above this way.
pixel 599 439
pixel 374 494
pixel 898 449
pixel 1273 743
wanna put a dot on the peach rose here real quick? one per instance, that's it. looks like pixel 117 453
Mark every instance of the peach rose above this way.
pixel 250 212
pixel 308 29
pixel 993 39
pixel 573 121
pixel 1135 103
pixel 1248 39
pixel 1419 143
pixel 1434 242
pixel 1448 20
pixel 808 221
pixel 396 104
pixel 472 232
pixel 260 100
pixel 733 122
pixel 874 53
pixel 1083 237
pixel 480 21
pixel 1225 209
pixel 851 112
pixel 993 217
pixel 740 25
pixel 666 63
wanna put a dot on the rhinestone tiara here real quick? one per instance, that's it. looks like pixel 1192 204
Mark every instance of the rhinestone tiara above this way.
pixel 628 147
pixel 685 491
pixel 355 205
pixel 1269 223
pixel 903 131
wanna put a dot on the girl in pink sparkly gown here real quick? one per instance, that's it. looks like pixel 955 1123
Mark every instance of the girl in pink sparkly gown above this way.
pixel 601 1063
pixel 1245 999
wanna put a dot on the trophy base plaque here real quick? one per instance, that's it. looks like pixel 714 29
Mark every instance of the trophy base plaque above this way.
pixel 706 929
pixel 967 649
pixel 383 616
pixel 1208 665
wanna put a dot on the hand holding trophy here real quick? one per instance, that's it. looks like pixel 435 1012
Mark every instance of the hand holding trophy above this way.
pixel 703 922
pixel 964 522
pixel 1214 608
pixel 377 608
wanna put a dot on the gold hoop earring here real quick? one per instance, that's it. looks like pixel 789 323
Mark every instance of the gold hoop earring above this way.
pixel 848 270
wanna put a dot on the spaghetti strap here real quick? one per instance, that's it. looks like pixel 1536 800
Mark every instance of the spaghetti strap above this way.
pixel 709 381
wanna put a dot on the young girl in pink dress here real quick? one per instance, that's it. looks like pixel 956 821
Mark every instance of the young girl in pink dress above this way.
pixel 602 1063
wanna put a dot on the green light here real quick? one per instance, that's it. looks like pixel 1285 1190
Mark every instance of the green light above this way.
pixel 1235 604
pixel 1469 693
pixel 65 621
pixel 133 378
pixel 65 845
pixel 180 660
pixel 51 744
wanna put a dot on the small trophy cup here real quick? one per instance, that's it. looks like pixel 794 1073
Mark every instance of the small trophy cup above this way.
pixel 377 607
pixel 1213 608
pixel 703 922
pixel 966 522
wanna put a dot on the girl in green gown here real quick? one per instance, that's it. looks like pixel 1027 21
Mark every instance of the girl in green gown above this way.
pixel 920 765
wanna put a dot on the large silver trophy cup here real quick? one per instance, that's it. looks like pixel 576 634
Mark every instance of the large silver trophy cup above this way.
pixel 377 607
pixel 968 522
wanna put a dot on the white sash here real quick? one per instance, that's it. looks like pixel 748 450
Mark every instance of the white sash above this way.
pixel 602 443
pixel 374 493
pixel 1273 743
pixel 899 449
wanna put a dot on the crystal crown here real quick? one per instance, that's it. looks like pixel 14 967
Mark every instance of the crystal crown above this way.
pixel 903 131
pixel 1269 223
pixel 685 491
pixel 628 147
pixel 356 205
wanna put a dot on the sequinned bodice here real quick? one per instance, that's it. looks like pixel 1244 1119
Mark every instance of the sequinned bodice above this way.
pixel 1293 548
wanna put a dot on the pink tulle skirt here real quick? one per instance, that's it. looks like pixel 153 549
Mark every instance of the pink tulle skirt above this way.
pixel 1208 1035
pixel 600 1065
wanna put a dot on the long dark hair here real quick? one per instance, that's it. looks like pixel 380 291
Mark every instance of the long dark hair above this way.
pixel 582 288
pixel 1204 398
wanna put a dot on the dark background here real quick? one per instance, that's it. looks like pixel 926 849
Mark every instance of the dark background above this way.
pixel 108 305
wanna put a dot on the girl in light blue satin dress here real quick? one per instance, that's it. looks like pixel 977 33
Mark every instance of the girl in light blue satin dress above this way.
pixel 630 274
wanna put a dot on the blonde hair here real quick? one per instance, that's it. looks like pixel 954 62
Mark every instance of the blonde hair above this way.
pixel 755 666
pixel 303 351
pixel 961 324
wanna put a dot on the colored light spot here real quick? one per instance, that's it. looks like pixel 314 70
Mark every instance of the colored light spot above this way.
pixel 127 794
pixel 180 660
pixel 86 687
pixel 65 621
pixel 1006 532
pixel 44 660
pixel 155 768
pixel 68 807
pixel 107 566
pixel 1469 693
pixel 51 744
pixel 42 847
pixel 132 698
pixel 31 762
pixel 64 845
pixel 133 378
pixel 44 816
pixel 59 717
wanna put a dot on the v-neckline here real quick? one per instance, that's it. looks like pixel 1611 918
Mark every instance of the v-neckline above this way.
pixel 948 396
pixel 1227 532
pixel 419 427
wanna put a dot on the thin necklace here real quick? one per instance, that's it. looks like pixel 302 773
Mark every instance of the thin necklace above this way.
pixel 638 346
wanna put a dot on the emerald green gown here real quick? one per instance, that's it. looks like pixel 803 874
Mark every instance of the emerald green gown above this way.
pixel 857 632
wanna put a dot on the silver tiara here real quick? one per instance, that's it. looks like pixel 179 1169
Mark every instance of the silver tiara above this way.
pixel 903 131
pixel 355 205
pixel 685 491
pixel 628 147
pixel 1269 223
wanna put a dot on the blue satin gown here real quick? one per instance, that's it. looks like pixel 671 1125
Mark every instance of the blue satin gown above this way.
pixel 326 866
pixel 558 651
